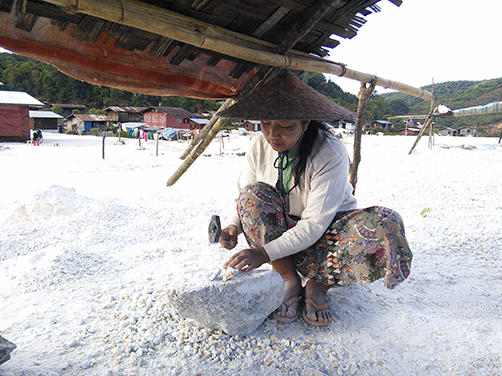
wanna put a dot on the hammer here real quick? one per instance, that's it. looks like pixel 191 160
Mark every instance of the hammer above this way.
pixel 214 230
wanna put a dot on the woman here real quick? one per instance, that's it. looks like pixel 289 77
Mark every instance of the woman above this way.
pixel 296 207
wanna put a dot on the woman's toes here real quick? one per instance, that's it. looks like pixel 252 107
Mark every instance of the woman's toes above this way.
pixel 311 313
pixel 292 309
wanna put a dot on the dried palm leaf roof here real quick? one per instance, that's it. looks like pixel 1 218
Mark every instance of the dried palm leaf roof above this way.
pixel 171 47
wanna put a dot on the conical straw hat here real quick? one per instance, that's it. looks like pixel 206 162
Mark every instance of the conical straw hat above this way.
pixel 286 98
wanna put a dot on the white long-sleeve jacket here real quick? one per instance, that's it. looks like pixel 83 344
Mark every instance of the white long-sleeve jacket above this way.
pixel 323 191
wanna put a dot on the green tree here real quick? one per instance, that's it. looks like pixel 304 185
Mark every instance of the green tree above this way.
pixel 95 111
pixel 58 109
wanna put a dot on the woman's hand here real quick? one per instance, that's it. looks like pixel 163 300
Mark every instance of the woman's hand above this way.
pixel 228 237
pixel 248 259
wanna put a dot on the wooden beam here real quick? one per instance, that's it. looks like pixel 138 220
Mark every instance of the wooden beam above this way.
pixel 271 21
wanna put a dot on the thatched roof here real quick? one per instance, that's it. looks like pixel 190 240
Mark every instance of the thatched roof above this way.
pixel 167 47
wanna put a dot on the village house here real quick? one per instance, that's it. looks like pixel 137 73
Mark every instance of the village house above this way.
pixel 251 125
pixel 167 117
pixel 68 109
pixel 385 124
pixel 44 120
pixel 15 115
pixel 342 124
pixel 198 123
pixel 470 131
pixel 410 131
pixel 447 132
pixel 125 114
pixel 84 122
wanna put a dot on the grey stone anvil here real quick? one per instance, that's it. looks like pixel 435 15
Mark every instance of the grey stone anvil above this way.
pixel 237 307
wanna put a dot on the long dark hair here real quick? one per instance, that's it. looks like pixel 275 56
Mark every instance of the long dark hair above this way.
pixel 315 130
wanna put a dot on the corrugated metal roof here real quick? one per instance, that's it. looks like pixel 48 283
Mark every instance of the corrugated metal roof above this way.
pixel 171 110
pixel 44 115
pixel 18 97
pixel 90 117
pixel 126 109
pixel 200 121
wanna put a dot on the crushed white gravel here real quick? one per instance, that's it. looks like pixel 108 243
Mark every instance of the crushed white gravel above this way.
pixel 89 246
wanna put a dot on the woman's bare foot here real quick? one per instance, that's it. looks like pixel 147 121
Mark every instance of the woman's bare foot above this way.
pixel 288 310
pixel 316 309
pixel 292 295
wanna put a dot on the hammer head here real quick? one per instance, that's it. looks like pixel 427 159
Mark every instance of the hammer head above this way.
pixel 214 230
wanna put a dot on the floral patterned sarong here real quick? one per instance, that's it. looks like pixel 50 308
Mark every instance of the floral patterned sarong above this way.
pixel 359 246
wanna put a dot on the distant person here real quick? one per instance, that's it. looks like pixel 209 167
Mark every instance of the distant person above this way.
pixel 500 138
pixel 296 207
pixel 37 136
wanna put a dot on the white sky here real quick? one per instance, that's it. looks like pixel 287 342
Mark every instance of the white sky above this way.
pixel 425 40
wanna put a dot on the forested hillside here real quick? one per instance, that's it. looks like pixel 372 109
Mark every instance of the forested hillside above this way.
pixel 455 95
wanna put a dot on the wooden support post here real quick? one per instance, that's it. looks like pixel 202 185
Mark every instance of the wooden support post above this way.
pixel 431 134
pixel 433 121
pixel 103 146
pixel 364 95
pixel 157 136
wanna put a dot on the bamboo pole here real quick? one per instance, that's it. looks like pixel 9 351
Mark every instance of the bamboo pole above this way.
pixel 191 31
pixel 426 125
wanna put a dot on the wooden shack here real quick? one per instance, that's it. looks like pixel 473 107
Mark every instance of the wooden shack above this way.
pixel 125 114
pixel 198 123
pixel 80 123
pixel 15 115
pixel 382 124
